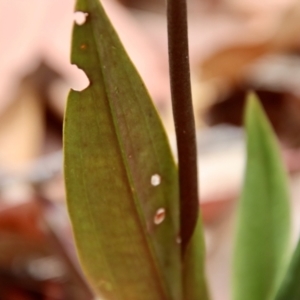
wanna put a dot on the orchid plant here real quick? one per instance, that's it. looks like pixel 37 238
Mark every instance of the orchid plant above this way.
pixel 135 213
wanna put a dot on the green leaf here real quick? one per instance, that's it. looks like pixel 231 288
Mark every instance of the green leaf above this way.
pixel 263 225
pixel 194 279
pixel 290 287
pixel 114 144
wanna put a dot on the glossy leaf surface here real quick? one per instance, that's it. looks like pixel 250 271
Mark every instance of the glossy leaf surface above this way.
pixel 121 180
pixel 263 224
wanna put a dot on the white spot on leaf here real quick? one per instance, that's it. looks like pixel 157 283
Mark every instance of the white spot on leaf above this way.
pixel 80 17
pixel 159 216
pixel 155 180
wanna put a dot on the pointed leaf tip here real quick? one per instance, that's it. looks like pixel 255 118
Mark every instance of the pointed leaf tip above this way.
pixel 119 172
pixel 263 221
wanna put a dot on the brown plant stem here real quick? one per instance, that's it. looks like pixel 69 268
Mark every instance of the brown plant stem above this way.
pixel 183 117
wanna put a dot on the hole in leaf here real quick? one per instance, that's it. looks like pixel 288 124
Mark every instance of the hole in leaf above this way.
pixel 80 17
pixel 155 180
pixel 46 268
pixel 79 80
pixel 159 216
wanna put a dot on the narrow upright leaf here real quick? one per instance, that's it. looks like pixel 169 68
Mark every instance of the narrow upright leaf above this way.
pixel 290 287
pixel 121 180
pixel 263 225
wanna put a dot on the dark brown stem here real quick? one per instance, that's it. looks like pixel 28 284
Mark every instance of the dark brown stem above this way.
pixel 183 117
